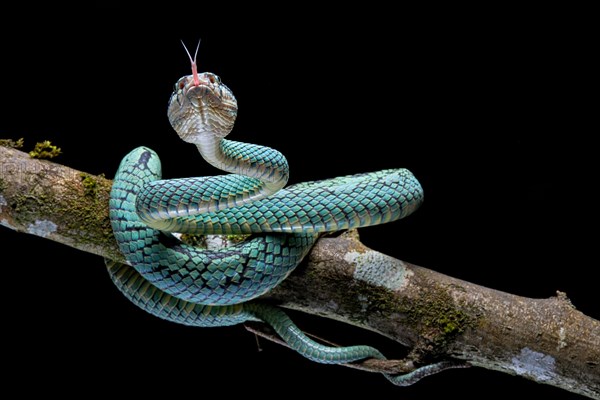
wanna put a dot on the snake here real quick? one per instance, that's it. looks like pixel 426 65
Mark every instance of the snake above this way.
pixel 195 286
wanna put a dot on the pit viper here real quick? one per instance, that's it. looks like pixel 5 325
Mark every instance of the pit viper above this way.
pixel 199 287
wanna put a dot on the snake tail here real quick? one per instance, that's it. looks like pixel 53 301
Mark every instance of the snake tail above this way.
pixel 413 377
pixel 297 340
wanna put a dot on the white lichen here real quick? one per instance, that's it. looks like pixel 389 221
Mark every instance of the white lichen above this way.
pixel 216 242
pixel 42 228
pixel 379 269
pixel 533 364
pixel 2 202
pixel 562 335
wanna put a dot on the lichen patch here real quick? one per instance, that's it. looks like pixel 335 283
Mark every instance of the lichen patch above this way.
pixel 538 366
pixel 378 269
pixel 562 336
pixel 42 228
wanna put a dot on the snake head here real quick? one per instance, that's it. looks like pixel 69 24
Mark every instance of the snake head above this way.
pixel 201 105
pixel 208 107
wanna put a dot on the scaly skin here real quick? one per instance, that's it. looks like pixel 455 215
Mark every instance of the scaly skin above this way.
pixel 198 287
pixel 228 276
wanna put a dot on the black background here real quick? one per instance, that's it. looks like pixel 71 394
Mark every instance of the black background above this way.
pixel 487 112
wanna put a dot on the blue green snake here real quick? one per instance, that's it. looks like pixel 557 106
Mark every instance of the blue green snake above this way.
pixel 207 288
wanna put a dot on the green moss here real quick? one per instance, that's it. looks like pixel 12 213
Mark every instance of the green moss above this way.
pixel 435 315
pixel 12 143
pixel 200 240
pixel 236 238
pixel 439 317
pixel 45 150
pixel 82 219
pixel 194 240
pixel 84 216
pixel 90 184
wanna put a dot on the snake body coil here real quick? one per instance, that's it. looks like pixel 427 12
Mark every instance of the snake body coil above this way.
pixel 200 287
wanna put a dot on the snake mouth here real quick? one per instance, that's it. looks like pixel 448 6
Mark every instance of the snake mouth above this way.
pixel 209 92
pixel 204 95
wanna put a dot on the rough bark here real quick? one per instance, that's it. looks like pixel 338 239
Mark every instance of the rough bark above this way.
pixel 436 316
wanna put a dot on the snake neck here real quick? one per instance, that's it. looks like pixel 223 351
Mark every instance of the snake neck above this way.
pixel 209 146
pixel 267 168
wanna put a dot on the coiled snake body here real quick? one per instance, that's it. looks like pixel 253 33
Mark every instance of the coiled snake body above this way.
pixel 194 286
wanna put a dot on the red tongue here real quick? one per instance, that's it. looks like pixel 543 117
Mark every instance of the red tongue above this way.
pixel 195 73
pixel 193 61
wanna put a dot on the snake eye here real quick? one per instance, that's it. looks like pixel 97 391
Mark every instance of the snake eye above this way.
pixel 214 78
pixel 179 85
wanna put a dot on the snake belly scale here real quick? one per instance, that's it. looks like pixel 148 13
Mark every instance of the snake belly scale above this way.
pixel 193 286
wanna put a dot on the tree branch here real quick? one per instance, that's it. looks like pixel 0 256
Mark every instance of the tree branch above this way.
pixel 436 316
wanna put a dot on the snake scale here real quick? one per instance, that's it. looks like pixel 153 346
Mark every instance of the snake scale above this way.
pixel 199 287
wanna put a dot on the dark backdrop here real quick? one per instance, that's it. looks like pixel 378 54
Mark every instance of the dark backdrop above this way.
pixel 486 112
